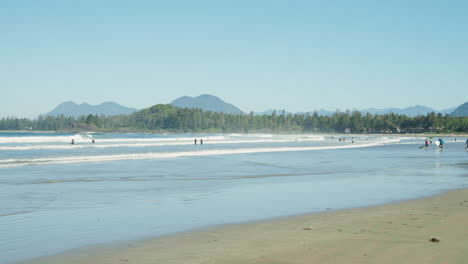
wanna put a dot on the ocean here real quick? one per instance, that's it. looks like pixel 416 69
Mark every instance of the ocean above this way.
pixel 56 196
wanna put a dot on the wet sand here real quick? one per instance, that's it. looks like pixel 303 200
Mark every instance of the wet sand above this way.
pixel 394 233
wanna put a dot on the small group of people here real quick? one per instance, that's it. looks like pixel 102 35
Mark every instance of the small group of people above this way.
pixel 73 141
pixel 428 141
pixel 344 139
pixel 201 141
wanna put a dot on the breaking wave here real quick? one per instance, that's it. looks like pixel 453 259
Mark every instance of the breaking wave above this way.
pixel 166 155
pixel 174 143
pixel 87 138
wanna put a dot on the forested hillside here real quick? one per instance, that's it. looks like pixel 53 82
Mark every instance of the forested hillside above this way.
pixel 167 118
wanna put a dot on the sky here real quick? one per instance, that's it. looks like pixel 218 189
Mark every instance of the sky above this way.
pixel 257 55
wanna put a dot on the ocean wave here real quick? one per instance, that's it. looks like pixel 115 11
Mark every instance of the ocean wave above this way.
pixel 87 138
pixel 180 142
pixel 166 155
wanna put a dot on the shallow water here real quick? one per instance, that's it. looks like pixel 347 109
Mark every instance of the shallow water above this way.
pixel 56 196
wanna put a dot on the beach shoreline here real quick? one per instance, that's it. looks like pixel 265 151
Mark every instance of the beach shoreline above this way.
pixel 398 232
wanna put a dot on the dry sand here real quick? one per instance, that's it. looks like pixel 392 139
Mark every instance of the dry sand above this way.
pixel 395 233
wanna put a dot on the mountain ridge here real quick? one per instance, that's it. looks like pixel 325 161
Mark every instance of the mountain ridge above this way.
pixel 461 110
pixel 206 102
pixel 72 109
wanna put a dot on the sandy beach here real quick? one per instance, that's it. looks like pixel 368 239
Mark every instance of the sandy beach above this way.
pixel 394 233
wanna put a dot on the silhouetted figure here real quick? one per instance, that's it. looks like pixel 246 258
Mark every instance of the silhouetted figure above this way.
pixel 195 141
pixel 201 141
pixel 72 141
pixel 93 141
pixel 339 139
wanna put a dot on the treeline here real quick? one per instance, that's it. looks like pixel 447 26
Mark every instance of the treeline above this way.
pixel 167 118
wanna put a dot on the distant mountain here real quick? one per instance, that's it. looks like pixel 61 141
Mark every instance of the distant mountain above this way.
pixel 408 111
pixel 75 110
pixel 269 112
pixel 462 110
pixel 322 112
pixel 206 102
pixel 447 111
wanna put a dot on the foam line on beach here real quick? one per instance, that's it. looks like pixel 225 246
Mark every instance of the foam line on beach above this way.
pixel 87 138
pixel 176 143
pixel 168 155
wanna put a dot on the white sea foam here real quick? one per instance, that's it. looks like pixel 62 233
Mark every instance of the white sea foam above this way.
pixel 251 135
pixel 165 155
pixel 87 138
pixel 209 140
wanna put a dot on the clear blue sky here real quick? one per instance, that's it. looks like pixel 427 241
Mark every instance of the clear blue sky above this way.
pixel 257 55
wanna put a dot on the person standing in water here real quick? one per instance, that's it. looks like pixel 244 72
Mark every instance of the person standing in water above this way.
pixel 201 141
pixel 466 144
pixel 93 141
pixel 72 141
pixel 426 142
pixel 441 143
pixel 195 141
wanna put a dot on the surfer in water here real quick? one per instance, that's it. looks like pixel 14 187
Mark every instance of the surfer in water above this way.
pixel 93 141
pixel 441 143
pixel 201 141
pixel 72 141
pixel 195 141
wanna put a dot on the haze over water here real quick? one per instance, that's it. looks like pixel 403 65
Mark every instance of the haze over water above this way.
pixel 56 196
